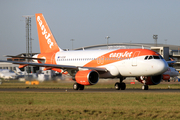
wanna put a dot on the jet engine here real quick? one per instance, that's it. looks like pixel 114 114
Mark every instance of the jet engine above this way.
pixel 87 77
pixel 151 80
pixel 166 77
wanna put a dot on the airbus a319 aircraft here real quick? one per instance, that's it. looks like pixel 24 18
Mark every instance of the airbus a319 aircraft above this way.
pixel 171 72
pixel 7 74
pixel 87 66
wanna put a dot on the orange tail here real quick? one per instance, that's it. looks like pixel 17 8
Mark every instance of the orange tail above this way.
pixel 47 42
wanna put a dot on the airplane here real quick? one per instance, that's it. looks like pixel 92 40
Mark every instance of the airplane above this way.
pixel 171 72
pixel 7 74
pixel 87 66
pixel 19 72
pixel 40 75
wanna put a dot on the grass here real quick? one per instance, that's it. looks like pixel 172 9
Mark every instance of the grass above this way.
pixel 96 106
pixel 89 106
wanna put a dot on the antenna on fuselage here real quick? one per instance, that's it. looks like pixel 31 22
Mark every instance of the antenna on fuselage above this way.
pixel 142 47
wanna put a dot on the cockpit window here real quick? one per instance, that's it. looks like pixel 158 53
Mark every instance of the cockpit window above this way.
pixel 150 57
pixel 153 57
pixel 156 57
pixel 146 58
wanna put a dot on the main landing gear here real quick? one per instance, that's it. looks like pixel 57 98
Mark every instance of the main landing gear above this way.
pixel 77 86
pixel 120 85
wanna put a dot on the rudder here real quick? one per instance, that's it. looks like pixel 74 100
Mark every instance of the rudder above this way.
pixel 47 42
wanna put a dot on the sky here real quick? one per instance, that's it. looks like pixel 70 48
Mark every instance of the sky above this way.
pixel 88 22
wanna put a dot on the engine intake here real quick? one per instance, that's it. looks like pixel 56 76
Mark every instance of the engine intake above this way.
pixel 87 77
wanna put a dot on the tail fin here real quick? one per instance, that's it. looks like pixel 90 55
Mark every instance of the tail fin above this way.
pixel 47 42
pixel 18 71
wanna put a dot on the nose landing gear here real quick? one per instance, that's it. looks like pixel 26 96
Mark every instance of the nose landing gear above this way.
pixel 145 87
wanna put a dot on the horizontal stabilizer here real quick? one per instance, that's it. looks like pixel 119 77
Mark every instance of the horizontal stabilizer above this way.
pixel 24 57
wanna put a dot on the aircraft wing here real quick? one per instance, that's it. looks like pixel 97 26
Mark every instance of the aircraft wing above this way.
pixel 171 62
pixel 57 66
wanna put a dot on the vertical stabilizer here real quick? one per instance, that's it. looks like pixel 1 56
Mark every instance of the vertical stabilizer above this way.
pixel 47 42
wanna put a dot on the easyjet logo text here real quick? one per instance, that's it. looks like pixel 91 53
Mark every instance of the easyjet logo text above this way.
pixel 44 32
pixel 119 55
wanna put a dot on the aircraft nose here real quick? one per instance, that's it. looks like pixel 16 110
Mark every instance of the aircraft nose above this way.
pixel 161 66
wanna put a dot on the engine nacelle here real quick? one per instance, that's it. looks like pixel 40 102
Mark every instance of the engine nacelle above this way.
pixel 151 80
pixel 166 77
pixel 87 77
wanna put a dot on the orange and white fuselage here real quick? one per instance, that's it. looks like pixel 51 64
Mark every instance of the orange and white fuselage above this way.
pixel 121 62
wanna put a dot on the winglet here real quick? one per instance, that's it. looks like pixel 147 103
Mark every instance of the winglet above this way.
pixel 47 42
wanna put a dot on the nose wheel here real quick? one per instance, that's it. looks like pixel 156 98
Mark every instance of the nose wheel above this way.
pixel 145 87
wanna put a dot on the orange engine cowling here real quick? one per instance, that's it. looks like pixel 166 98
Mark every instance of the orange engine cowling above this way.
pixel 151 80
pixel 87 77
pixel 166 77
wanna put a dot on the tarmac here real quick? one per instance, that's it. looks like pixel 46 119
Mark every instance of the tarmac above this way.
pixel 88 90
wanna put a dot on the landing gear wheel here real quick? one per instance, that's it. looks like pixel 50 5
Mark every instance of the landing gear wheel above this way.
pixel 145 87
pixel 123 86
pixel 117 86
pixel 75 86
pixel 81 87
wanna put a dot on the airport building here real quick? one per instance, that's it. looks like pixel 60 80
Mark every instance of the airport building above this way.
pixel 7 65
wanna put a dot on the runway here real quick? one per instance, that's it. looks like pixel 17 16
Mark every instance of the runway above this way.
pixel 88 90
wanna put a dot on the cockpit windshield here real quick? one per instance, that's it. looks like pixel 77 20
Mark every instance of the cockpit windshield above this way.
pixel 156 57
pixel 153 57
